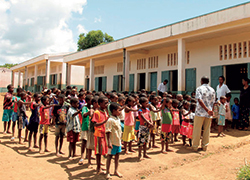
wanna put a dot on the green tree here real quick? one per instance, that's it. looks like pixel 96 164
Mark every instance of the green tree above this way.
pixel 7 65
pixel 92 39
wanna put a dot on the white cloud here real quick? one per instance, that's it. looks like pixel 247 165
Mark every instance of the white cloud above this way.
pixel 81 29
pixel 30 28
pixel 98 20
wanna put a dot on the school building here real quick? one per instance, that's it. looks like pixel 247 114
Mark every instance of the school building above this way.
pixel 210 45
pixel 47 70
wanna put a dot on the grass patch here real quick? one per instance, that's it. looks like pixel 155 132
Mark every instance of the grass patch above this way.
pixel 244 173
pixel 143 177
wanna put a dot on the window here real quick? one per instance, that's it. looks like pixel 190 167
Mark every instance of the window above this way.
pixel 32 81
pixel 230 51
pixel 99 70
pixel 119 67
pixel 141 63
pixel 153 62
pixel 240 50
pixel 174 58
pixel 244 49
pixel 188 57
pixel 221 53
pixel 235 50
pixel 225 52
pixel 171 59
pixel 53 79
pixel 168 59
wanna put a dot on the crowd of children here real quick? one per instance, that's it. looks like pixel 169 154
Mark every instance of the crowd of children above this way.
pixel 108 122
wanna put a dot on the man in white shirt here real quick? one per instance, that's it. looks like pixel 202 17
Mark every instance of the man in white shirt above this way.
pixel 222 88
pixel 162 87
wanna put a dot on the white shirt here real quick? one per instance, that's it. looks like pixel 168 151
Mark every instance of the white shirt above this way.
pixel 222 91
pixel 113 125
pixel 207 95
pixel 162 88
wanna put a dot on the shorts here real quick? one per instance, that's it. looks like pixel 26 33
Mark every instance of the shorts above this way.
pixel 84 135
pixel 22 122
pixel 7 115
pixel 33 126
pixel 144 135
pixel 91 141
pixel 115 150
pixel 165 136
pixel 60 130
pixel 101 145
pixel 72 136
pixel 221 120
pixel 14 116
pixel 128 134
pixel 175 129
pixel 137 124
pixel 44 129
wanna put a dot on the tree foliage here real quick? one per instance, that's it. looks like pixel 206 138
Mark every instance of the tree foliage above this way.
pixel 7 65
pixel 92 39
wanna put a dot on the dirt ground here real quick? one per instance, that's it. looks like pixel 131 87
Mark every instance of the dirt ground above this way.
pixel 221 161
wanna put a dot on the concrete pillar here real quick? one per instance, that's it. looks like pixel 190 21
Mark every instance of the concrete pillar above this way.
pixel 47 73
pixel 91 75
pixel 147 81
pixel 13 78
pixel 68 83
pixel 126 59
pixel 136 82
pixel 19 79
pixel 64 74
pixel 181 65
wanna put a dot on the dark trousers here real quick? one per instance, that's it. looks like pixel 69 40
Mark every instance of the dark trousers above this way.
pixel 236 123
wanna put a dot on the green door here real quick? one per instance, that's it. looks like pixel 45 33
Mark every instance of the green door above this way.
pixel 153 81
pixel 190 80
pixel 104 83
pixel 131 82
pixel 216 71
pixel 97 84
pixel 166 75
pixel 116 82
pixel 87 83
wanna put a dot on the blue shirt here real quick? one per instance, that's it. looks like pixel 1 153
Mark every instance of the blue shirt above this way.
pixel 236 109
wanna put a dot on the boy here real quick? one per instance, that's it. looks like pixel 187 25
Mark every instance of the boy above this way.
pixel 15 115
pixel 60 113
pixel 73 126
pixel 113 132
pixel 8 109
pixel 236 113
pixel 113 98
pixel 87 112
pixel 99 119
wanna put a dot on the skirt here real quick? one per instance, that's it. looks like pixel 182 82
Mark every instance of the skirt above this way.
pixel 144 135
pixel 128 134
pixel 175 129
pixel 184 128
pixel 190 131
pixel 101 145
pixel 166 128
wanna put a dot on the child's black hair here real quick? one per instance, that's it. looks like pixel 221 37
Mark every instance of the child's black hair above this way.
pixel 35 95
pixel 185 102
pixel 44 98
pixel 22 94
pixel 175 101
pixel 73 100
pixel 193 100
pixel 94 100
pixel 152 97
pixel 88 98
pixel 9 86
pixel 112 96
pixel 228 95
pixel 19 90
pixel 142 95
pixel 102 99
pixel 81 94
pixel 121 98
pixel 236 99
pixel 130 98
pixel 113 106
pixel 143 100
pixel 193 106
pixel 61 96
pixel 68 92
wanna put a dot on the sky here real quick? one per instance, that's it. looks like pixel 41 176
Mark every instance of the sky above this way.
pixel 29 28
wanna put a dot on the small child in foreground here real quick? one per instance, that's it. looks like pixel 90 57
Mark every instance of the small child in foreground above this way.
pixel 113 132
pixel 222 113
pixel 186 119
pixel 236 113
pixel 176 119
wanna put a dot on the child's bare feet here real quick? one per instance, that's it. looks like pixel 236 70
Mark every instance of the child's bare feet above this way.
pixel 169 150
pixel 4 132
pixel 58 155
pixel 8 132
pixel 26 140
pixel 80 162
pixel 108 176
pixel 36 146
pixel 60 152
pixel 99 172
pixel 118 174
pixel 70 158
pixel 21 143
pixel 140 158
pixel 164 152
pixel 41 152
pixel 90 166
pixel 46 150
pixel 146 156
pixel 31 150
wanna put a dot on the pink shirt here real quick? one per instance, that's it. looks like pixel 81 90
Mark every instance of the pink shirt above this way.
pixel 176 118
pixel 135 112
pixel 228 115
pixel 129 119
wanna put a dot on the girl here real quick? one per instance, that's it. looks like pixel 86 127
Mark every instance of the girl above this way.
pixel 137 121
pixel 228 115
pixel 222 113
pixel 129 121
pixel 166 126
pixel 184 126
pixel 216 107
pixel 155 115
pixel 145 124
pixel 190 126
pixel 176 119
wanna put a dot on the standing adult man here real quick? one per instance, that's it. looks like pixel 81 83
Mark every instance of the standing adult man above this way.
pixel 162 87
pixel 205 96
pixel 222 88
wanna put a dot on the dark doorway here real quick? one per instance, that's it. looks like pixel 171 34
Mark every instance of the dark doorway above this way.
pixel 234 75
pixel 142 78
pixel 174 80
pixel 100 84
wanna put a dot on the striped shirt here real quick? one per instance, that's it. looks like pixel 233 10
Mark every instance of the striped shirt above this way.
pixel 7 103
pixel 73 123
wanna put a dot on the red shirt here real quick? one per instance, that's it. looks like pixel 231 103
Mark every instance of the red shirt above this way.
pixel 98 117
pixel 146 114
pixel 7 103
pixel 44 113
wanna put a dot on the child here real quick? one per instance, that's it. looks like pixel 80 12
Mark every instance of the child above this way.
pixel 216 107
pixel 113 132
pixel 121 101
pixel 82 102
pixel 228 115
pixel 156 116
pixel 145 124
pixel 129 121
pixel 236 113
pixel 176 119
pixel 91 142
pixel 191 122
pixel 166 124
pixel 34 120
pixel 28 99
pixel 7 109
pixel 60 112
pixel 22 117
pixel 44 123
pixel 73 126
pixel 99 119
pixel 136 115
pixel 87 112
pixel 15 115
pixel 222 113
pixel 186 119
